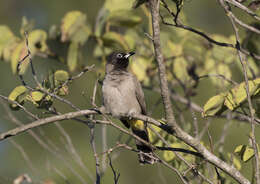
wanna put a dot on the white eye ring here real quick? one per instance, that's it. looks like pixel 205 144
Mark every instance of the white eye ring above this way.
pixel 119 55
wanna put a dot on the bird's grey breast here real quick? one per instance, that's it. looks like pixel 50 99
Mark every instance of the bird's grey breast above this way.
pixel 119 95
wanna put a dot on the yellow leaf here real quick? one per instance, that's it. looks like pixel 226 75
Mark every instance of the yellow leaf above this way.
pixel 176 49
pixel 18 54
pixel 6 37
pixel 37 41
pixel 61 75
pixel 72 58
pixel 124 18
pixel 214 105
pixel 15 94
pixel 37 96
pixel 180 69
pixel 248 154
pixel 71 23
pixel 114 5
pixel 113 39
pixel 168 156
pixel 237 95
pixel 139 66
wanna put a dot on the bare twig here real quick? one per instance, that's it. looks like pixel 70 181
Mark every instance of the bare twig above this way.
pixel 116 176
pixel 244 64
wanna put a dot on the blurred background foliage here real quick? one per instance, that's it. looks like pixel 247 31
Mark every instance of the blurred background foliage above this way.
pixel 66 36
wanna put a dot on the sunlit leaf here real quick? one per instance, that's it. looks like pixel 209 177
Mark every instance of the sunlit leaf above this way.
pixel 214 105
pixel 72 58
pixel 61 76
pixel 71 23
pixel 115 40
pixel 17 92
pixel 245 152
pixel 114 5
pixel 139 66
pixel 18 54
pixel 124 18
pixel 81 36
pixel 37 96
pixel 138 3
pixel 7 39
pixel 237 95
pixel 37 41
pixel 180 66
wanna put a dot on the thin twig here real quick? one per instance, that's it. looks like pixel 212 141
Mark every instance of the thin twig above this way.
pixel 244 64
pixel 116 176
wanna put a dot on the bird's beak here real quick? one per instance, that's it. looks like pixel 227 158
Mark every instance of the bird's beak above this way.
pixel 129 54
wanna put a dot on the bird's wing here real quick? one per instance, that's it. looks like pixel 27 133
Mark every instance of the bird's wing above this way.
pixel 140 95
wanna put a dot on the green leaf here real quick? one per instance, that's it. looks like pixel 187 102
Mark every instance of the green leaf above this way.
pixel 82 35
pixel 180 69
pixel 72 58
pixel 71 23
pixel 138 3
pixel 237 95
pixel 61 76
pixel 7 39
pixel 245 152
pixel 139 67
pixel 63 91
pixel 37 96
pixel 114 5
pixel 124 18
pixel 114 40
pixel 37 41
pixel 17 92
pixel 214 105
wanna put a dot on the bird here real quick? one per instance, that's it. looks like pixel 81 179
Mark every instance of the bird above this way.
pixel 123 97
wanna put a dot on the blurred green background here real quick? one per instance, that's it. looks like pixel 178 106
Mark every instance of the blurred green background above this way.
pixel 206 15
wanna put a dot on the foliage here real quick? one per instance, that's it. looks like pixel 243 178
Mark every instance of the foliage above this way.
pixel 188 58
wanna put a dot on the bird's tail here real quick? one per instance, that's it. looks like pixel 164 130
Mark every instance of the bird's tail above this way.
pixel 146 155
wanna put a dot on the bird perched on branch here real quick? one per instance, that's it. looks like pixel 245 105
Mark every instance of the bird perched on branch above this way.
pixel 123 97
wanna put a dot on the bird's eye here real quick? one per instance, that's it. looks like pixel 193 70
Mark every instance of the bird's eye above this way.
pixel 119 55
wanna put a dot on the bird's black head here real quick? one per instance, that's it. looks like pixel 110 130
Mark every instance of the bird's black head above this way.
pixel 118 60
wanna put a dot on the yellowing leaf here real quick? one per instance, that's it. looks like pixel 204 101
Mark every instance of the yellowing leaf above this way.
pixel 214 105
pixel 176 49
pixel 72 58
pixel 61 76
pixel 37 96
pixel 153 138
pixel 6 38
pixel 114 5
pixel 81 35
pixel 18 54
pixel 71 23
pixel 37 41
pixel 237 95
pixel 113 39
pixel 124 18
pixel 248 154
pixel 235 161
pixel 139 66
pixel 221 69
pixel 245 152
pixel 168 156
pixel 180 69
pixel 15 94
